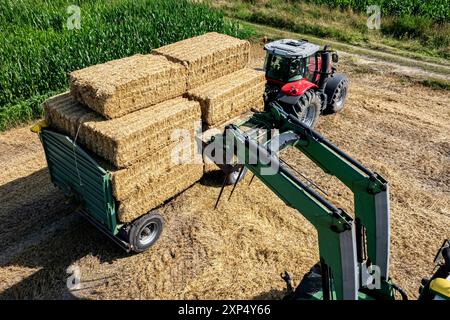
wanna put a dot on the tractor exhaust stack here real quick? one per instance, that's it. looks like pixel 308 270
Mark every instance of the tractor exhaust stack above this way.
pixel 325 68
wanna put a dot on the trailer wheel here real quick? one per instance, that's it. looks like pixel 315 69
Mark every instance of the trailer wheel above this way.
pixel 145 231
pixel 336 91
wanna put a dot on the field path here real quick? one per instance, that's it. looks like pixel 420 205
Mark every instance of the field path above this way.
pixel 425 67
pixel 396 128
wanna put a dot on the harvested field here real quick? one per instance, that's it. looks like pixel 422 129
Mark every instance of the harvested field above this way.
pixel 128 139
pixel 118 87
pixel 394 127
pixel 208 56
pixel 230 95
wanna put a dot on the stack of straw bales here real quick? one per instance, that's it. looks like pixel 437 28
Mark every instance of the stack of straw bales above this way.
pixel 128 111
pixel 145 167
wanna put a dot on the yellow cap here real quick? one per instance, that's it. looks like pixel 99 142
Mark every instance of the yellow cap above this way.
pixel 37 128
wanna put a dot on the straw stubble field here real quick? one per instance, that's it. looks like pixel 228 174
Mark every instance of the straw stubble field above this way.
pixel 398 129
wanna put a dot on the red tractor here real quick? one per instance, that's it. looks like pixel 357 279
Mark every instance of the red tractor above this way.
pixel 302 79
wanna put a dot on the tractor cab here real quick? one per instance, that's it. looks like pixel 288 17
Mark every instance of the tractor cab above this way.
pixel 290 60
pixel 301 78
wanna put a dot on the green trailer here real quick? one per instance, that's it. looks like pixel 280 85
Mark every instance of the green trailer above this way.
pixel 354 251
pixel 88 184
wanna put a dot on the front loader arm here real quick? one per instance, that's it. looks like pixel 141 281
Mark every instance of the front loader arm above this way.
pixel 336 231
pixel 343 242
pixel 371 197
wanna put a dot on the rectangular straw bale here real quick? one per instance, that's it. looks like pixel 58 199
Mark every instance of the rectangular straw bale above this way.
pixel 208 56
pixel 65 114
pixel 229 96
pixel 152 169
pixel 171 184
pixel 118 87
pixel 131 138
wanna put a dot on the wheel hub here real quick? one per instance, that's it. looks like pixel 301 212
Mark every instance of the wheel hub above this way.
pixel 148 233
pixel 341 95
pixel 307 115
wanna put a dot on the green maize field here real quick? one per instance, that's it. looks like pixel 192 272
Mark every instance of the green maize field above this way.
pixel 38 49
pixel 437 10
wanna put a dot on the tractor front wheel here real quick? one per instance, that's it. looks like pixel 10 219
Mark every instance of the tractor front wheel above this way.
pixel 336 91
pixel 307 109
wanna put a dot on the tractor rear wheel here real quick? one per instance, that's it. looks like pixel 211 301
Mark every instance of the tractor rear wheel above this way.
pixel 307 109
pixel 336 91
pixel 145 231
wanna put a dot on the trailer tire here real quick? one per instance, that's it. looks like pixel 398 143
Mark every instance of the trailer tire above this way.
pixel 145 231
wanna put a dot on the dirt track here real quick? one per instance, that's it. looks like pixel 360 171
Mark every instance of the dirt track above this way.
pixel 397 129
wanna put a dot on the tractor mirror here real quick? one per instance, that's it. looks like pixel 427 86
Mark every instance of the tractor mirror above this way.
pixel 335 57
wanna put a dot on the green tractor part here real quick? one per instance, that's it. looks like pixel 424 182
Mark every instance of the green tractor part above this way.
pixel 349 248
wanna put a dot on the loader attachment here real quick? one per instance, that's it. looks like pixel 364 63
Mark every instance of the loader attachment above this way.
pixel 354 253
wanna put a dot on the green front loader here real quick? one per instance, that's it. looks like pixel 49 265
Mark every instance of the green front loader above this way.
pixel 354 252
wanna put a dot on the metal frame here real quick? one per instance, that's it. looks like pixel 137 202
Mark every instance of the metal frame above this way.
pixel 341 240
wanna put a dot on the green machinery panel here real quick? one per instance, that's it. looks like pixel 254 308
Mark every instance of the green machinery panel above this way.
pixel 80 176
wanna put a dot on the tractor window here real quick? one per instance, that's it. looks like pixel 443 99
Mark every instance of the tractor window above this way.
pixel 297 69
pixel 277 67
pixel 285 69
pixel 310 68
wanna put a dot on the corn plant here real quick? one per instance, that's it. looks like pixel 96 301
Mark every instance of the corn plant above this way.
pixel 38 50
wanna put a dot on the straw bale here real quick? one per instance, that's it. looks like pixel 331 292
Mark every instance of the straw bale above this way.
pixel 65 114
pixel 154 194
pixel 208 56
pixel 126 140
pixel 150 170
pixel 230 96
pixel 118 87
